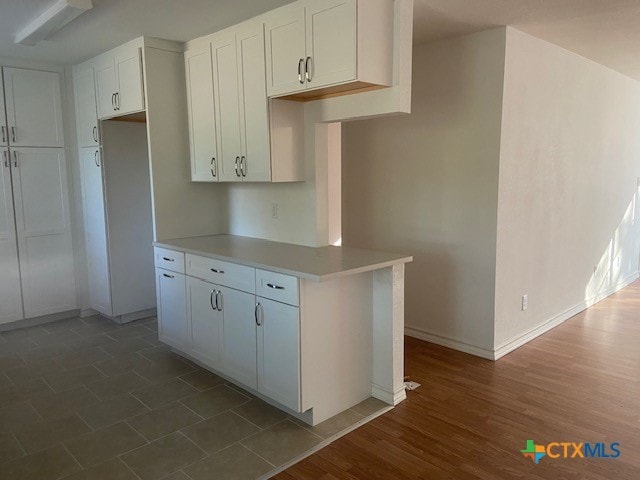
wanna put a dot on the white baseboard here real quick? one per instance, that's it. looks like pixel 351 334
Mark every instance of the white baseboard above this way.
pixel 448 342
pixel 523 338
pixel 390 398
pixel 526 337
pixel 88 312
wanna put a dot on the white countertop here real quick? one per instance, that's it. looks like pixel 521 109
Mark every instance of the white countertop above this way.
pixel 317 264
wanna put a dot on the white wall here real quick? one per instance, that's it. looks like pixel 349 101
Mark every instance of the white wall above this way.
pixel 569 164
pixel 427 184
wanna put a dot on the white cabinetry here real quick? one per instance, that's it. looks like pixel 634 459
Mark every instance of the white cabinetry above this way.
pixel 37 274
pixel 86 113
pixel 34 115
pixel 10 292
pixel 327 47
pixel 119 85
pixel 203 134
pixel 173 323
pixel 239 341
pixel 43 230
pixel 117 223
pixel 279 352
pixel 205 312
pixel 252 340
pixel 95 231
pixel 235 135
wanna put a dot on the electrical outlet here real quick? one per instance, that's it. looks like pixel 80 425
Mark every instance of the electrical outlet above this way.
pixel 274 211
pixel 525 302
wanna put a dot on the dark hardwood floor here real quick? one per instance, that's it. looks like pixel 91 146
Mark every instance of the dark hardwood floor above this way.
pixel 579 382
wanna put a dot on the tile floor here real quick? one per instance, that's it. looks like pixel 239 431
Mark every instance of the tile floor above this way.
pixel 89 399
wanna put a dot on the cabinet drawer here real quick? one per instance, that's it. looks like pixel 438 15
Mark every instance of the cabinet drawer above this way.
pixel 222 273
pixel 169 259
pixel 278 287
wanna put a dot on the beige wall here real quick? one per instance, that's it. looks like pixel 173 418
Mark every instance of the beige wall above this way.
pixel 426 184
pixel 569 164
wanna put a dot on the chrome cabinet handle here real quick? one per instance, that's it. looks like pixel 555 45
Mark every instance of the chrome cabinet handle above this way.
pixel 4 155
pixel 168 276
pixel 167 259
pixel 308 71
pixel 118 101
pixel 13 134
pixel 113 101
pixel 300 66
pixel 243 166
pixel 236 168
pixel 15 159
pixel 4 133
pixel 95 133
pixel 274 286
pixel 217 271
pixel 213 167
pixel 213 307
pixel 256 314
pixel 219 304
pixel 95 158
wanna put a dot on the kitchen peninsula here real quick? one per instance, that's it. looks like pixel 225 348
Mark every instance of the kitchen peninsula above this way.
pixel 313 331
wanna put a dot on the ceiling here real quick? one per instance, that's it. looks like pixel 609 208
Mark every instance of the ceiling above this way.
pixel 607 31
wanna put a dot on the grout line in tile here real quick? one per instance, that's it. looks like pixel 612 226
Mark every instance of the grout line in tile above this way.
pixel 191 410
pixel 71 455
pixel 257 454
pixel 246 419
pixel 136 430
pixel 128 467
pixel 19 444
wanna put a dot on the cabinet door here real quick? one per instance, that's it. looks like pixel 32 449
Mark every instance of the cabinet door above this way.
pixel 286 51
pixel 331 42
pixel 10 294
pixel 239 344
pixel 95 231
pixel 4 132
pixel 106 87
pixel 254 111
pixel 43 230
pixel 279 352
pixel 206 322
pixel 130 93
pixel 173 322
pixel 86 113
pixel 225 68
pixel 33 107
pixel 203 135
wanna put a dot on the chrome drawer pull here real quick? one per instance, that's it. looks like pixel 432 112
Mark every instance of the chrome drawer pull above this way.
pixel 217 271
pixel 167 259
pixel 275 287
pixel 168 276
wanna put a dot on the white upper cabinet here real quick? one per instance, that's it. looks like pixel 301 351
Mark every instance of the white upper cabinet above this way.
pixel 227 94
pixel 255 162
pixel 235 134
pixel 119 83
pixel 331 43
pixel 86 112
pixel 329 47
pixel 203 134
pixel 34 115
pixel 286 51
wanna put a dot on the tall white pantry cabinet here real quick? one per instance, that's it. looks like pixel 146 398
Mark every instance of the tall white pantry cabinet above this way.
pixel 36 255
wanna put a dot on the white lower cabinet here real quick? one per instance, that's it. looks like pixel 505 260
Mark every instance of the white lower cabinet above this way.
pixel 239 344
pixel 279 352
pixel 206 321
pixel 173 322
pixel 252 340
